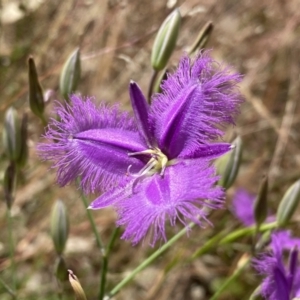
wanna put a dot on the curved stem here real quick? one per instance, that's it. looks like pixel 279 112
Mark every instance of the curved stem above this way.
pixel 245 232
pixel 148 261
pixel 151 85
pixel 93 224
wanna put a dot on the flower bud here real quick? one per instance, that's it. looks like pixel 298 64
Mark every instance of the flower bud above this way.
pixel 12 134
pixel 22 159
pixel 36 96
pixel 260 205
pixel 202 38
pixel 78 290
pixel 70 74
pixel 228 165
pixel 288 204
pixel 165 41
pixel 59 226
pixel 9 184
pixel 61 271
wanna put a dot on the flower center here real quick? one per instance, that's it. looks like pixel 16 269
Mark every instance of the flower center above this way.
pixel 157 163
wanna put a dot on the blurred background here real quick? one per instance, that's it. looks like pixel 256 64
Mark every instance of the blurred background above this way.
pixel 258 38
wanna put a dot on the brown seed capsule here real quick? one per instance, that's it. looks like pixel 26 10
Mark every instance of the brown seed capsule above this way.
pixel 78 290
pixel 260 204
pixel 9 184
pixel 36 96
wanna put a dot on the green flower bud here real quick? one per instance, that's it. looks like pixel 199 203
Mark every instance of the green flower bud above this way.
pixel 78 290
pixel 36 96
pixel 70 74
pixel 9 184
pixel 59 226
pixel 260 205
pixel 22 159
pixel 12 134
pixel 288 204
pixel 165 41
pixel 202 38
pixel 61 271
pixel 228 165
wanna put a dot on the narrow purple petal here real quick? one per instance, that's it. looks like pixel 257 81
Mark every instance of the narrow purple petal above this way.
pixel 281 285
pixel 140 108
pixel 92 143
pixel 207 151
pixel 293 264
pixel 180 195
pixel 197 101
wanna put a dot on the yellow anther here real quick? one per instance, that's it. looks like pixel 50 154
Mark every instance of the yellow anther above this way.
pixel 157 163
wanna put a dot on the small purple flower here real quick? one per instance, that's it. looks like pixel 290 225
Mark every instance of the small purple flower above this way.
pixel 282 280
pixel 242 207
pixel 155 167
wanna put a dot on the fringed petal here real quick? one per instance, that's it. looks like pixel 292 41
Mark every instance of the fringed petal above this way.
pixel 181 194
pixel 197 101
pixel 92 143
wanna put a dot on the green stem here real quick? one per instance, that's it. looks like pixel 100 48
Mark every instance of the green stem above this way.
pixel 105 262
pixel 232 278
pixel 93 224
pixel 148 261
pixel 209 244
pixel 11 249
pixel 245 232
pixel 8 289
pixel 216 240
pixel 151 84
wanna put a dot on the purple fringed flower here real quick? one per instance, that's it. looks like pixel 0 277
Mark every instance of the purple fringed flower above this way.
pixel 155 167
pixel 242 207
pixel 282 280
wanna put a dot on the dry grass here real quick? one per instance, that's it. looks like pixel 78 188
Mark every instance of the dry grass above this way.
pixel 260 38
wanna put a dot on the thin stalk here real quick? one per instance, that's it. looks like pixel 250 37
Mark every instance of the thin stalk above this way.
pixel 151 84
pixel 209 244
pixel 232 278
pixel 93 224
pixel 105 262
pixel 8 289
pixel 216 240
pixel 245 232
pixel 12 249
pixel 148 261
